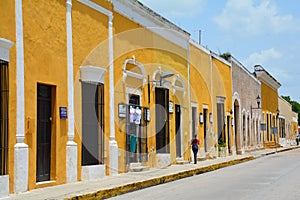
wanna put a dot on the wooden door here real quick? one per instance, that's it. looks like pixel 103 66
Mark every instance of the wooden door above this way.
pixel 43 158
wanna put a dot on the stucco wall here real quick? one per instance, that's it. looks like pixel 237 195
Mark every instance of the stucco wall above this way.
pixel 7 31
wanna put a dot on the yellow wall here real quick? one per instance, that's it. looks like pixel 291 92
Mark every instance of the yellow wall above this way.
pixel 200 71
pixel 153 52
pixel 90 47
pixel 45 62
pixel 7 31
pixel 222 87
pixel 269 98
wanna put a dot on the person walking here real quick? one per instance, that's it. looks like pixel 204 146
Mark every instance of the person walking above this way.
pixel 195 143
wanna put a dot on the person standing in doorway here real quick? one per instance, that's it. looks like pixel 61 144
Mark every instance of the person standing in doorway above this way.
pixel 195 143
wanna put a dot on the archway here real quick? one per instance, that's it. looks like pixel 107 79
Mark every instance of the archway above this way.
pixel 237 130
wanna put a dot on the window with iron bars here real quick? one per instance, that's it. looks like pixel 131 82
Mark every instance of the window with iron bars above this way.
pixel 3 117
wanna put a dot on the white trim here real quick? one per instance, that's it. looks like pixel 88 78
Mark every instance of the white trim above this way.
pixel 96 7
pixel 205 106
pixel 144 16
pixel 71 150
pixel 200 47
pixel 5 45
pixel 113 145
pixel 21 152
pixel 126 72
pixel 135 91
pixel 20 73
pixel 194 105
pixel 70 71
pixel 92 74
pixel 281 116
pixel 234 60
pixel 220 99
pixel 178 88
pixel 165 84
pixel 214 55
pixel 4 182
pixel 267 78
pixel 294 119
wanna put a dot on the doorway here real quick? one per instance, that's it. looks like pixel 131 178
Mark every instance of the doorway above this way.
pixel 133 130
pixel 162 120
pixel 205 113
pixel 229 134
pixel 178 130
pixel 44 107
pixel 92 124
pixel 237 134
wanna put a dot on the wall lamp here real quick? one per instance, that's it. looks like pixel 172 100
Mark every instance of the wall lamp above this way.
pixel 258 101
pixel 277 113
pixel 161 78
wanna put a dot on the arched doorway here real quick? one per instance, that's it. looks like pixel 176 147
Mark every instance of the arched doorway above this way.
pixel 237 130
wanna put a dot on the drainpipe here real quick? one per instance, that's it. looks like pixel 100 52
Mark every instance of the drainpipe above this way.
pixel 21 153
pixel 113 146
pixel 71 157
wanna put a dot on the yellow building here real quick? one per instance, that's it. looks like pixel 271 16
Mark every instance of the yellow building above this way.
pixel 285 124
pixel 269 103
pixel 91 91
pixel 294 125
pixel 211 100
pixel 222 101
pixel 201 101
pixel 97 88
pixel 151 75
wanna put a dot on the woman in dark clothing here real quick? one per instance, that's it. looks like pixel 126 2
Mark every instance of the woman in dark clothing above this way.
pixel 195 143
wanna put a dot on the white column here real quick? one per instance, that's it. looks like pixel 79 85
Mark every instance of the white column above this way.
pixel 113 146
pixel 20 149
pixel 71 157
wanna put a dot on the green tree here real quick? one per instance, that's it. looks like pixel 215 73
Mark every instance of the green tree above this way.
pixel 295 106
pixel 226 56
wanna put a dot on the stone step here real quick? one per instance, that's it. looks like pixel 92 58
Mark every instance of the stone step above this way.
pixel 271 145
pixel 137 167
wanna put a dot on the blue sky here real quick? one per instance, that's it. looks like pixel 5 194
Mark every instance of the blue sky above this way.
pixel 265 32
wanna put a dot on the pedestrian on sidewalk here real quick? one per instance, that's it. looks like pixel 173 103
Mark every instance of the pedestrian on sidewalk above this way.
pixel 195 143
pixel 298 139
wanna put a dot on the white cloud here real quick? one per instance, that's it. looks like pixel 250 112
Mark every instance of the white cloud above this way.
pixel 246 17
pixel 263 58
pixel 176 8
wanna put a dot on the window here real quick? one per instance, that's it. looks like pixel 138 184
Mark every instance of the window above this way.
pixel 92 124
pixel 3 117
pixel 194 121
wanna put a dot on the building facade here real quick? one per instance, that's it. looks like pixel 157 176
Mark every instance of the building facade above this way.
pixel 96 88
pixel 247 110
pixel 269 103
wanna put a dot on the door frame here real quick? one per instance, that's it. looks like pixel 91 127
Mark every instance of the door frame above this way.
pixel 178 134
pixel 52 139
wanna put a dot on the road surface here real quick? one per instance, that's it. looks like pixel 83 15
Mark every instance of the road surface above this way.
pixel 271 177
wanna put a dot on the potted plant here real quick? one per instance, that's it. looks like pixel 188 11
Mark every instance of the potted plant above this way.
pixel 222 147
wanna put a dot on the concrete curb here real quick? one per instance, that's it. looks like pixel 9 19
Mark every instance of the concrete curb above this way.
pixel 111 192
pixel 114 191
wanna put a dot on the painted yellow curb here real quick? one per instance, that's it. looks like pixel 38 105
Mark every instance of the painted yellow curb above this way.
pixel 111 192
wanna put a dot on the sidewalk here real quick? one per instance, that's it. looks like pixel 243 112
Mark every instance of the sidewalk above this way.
pixel 113 185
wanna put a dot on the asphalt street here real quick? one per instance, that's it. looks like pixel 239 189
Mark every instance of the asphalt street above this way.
pixel 271 177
